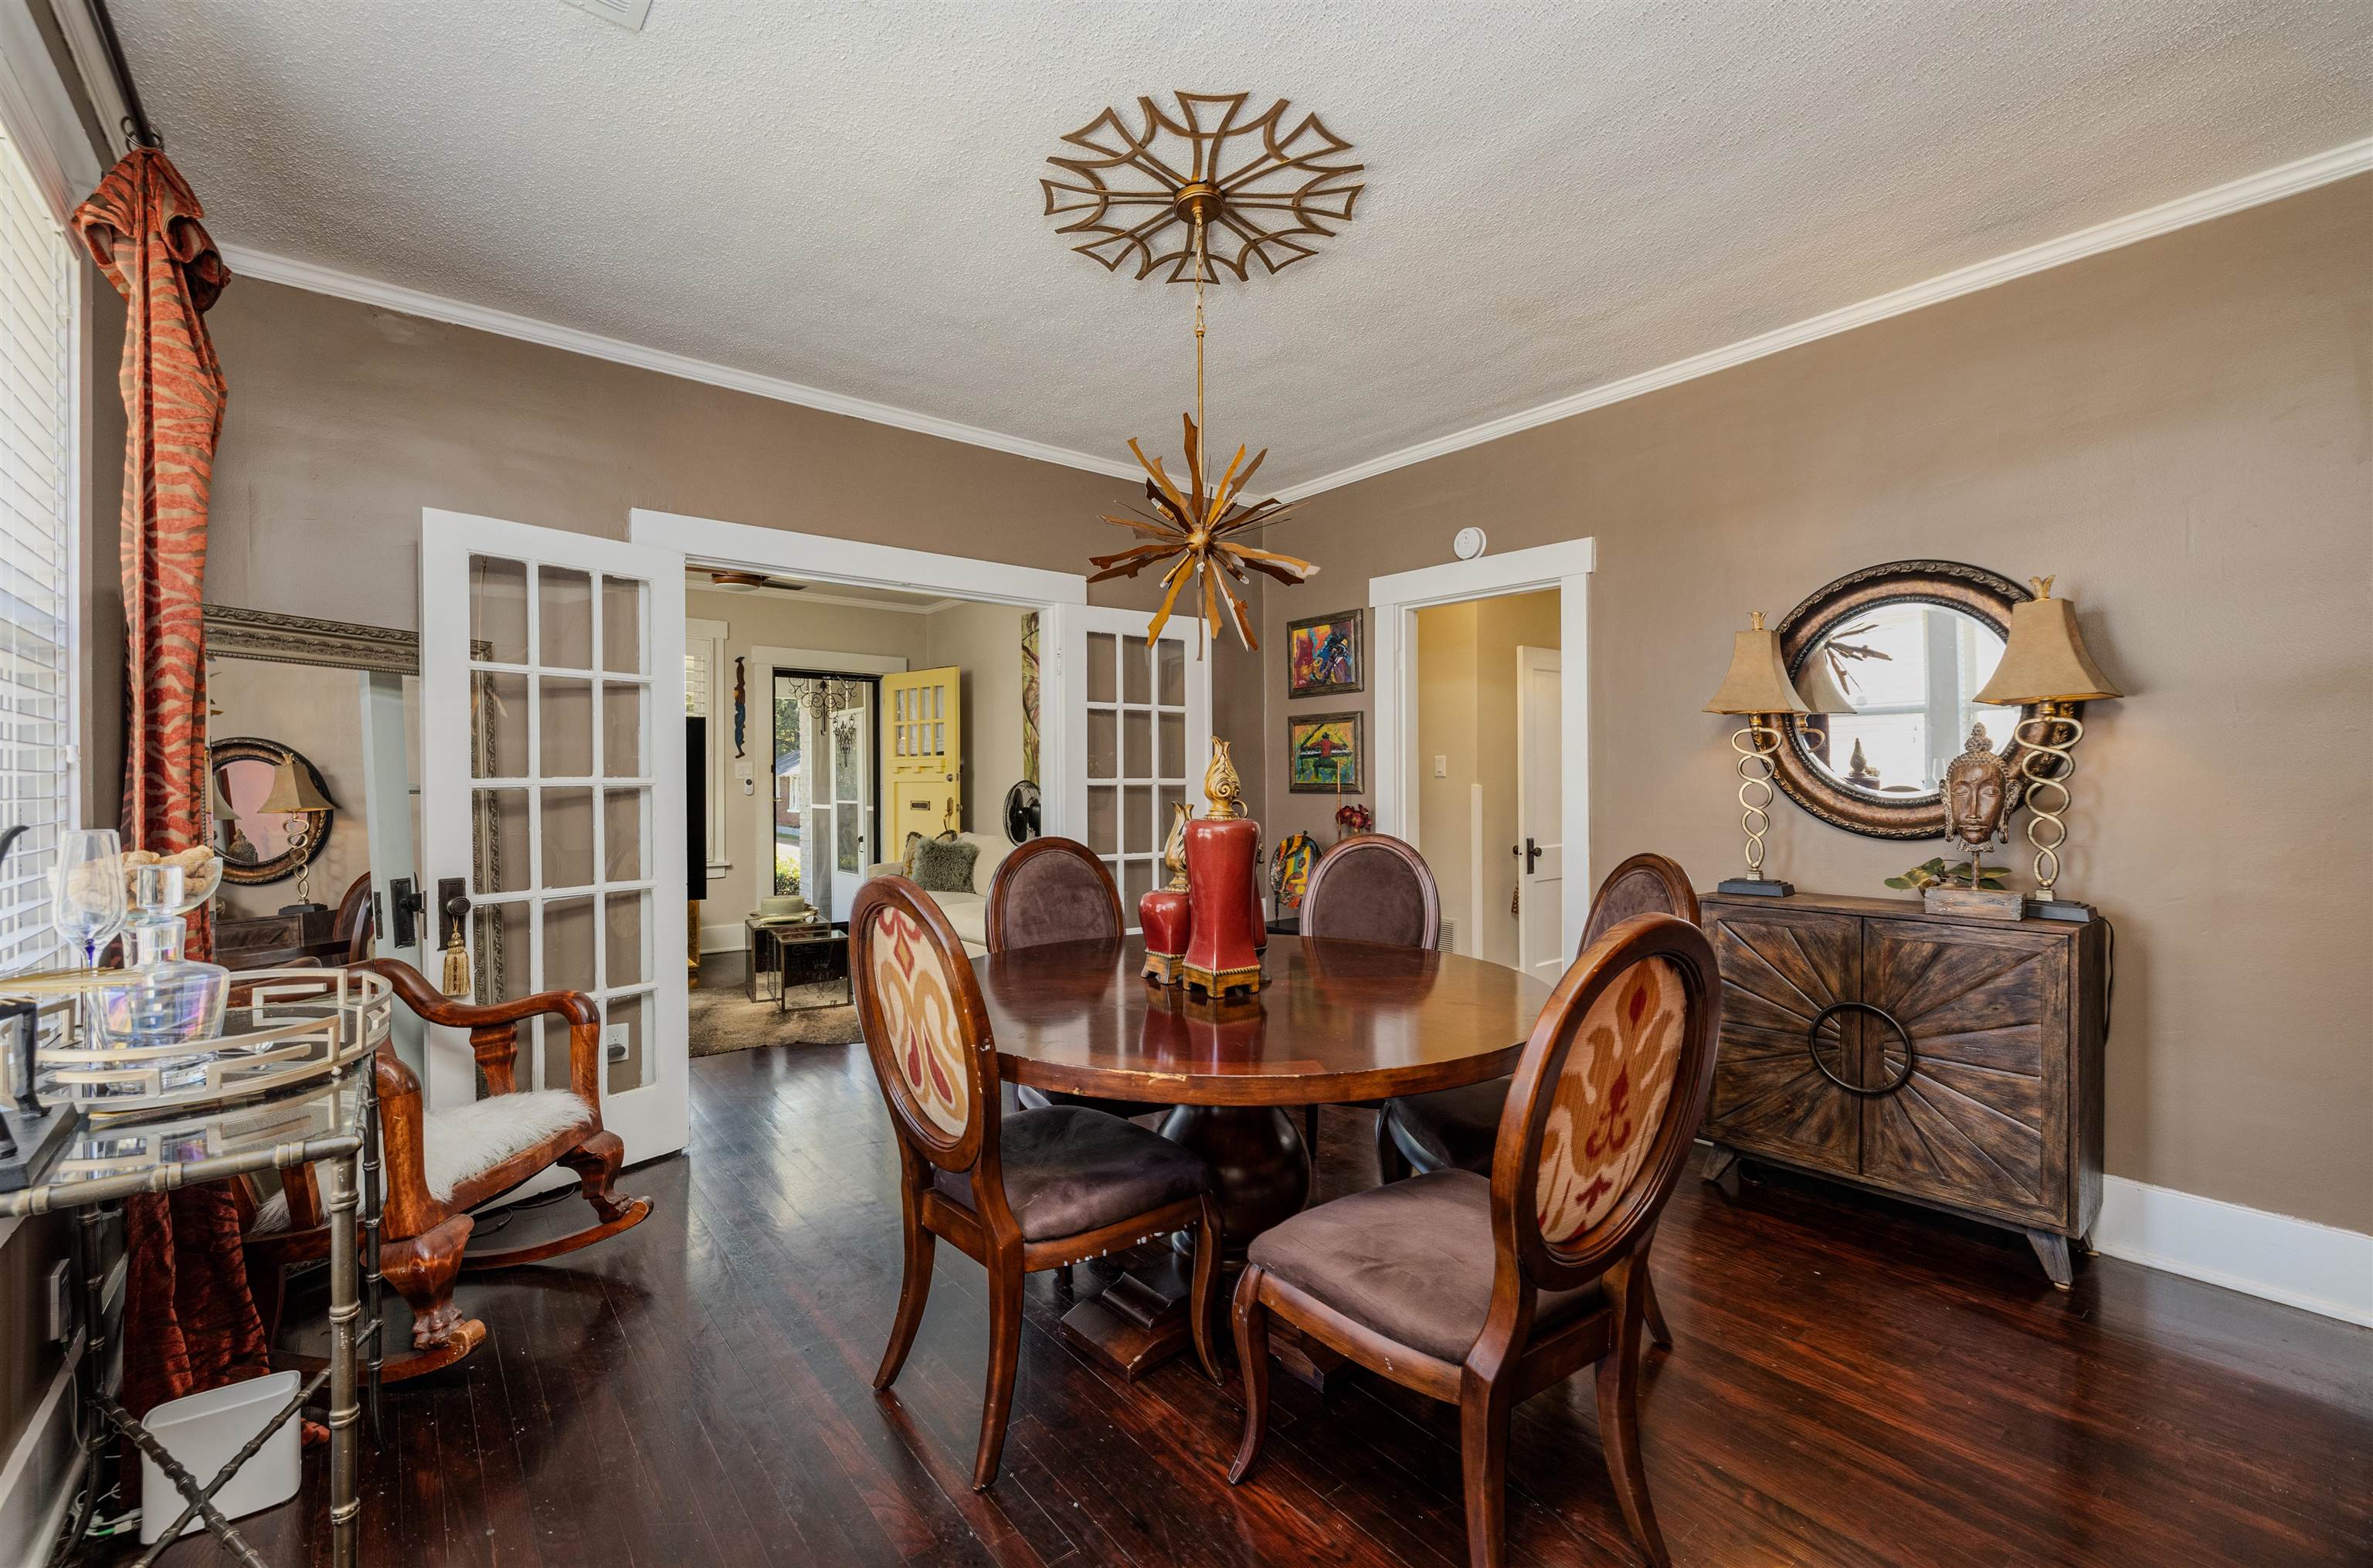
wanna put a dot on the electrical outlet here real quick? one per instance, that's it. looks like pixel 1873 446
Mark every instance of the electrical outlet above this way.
pixel 1441 766
pixel 614 1043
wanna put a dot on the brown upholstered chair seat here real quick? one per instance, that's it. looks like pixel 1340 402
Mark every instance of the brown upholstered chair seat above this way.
pixel 1450 1129
pixel 1069 1170
pixel 1411 1259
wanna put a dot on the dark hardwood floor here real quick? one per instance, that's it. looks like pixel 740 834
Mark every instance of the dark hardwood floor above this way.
pixel 1853 1384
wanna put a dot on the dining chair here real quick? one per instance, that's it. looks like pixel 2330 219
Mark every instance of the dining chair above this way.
pixel 1456 1128
pixel 1482 1291
pixel 1371 887
pixel 1056 890
pixel 1037 1189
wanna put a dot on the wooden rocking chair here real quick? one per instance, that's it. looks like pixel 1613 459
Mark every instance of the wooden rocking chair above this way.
pixel 440 1165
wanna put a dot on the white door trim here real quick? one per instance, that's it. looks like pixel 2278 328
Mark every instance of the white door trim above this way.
pixel 1394 601
pixel 819 557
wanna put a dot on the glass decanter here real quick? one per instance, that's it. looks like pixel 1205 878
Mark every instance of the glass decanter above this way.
pixel 164 998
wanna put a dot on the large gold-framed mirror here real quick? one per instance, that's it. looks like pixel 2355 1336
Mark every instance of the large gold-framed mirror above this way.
pixel 1891 659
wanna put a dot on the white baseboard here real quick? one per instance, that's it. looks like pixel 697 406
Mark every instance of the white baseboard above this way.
pixel 723 939
pixel 2296 1262
pixel 37 1485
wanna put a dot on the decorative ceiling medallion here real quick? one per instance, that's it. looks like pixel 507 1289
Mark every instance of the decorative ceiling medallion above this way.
pixel 1262 192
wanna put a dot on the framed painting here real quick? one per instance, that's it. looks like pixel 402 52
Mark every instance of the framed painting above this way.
pixel 1329 755
pixel 1326 655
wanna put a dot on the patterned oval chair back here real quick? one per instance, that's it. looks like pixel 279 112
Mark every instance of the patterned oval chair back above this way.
pixel 1373 887
pixel 1052 890
pixel 1606 1101
pixel 1644 884
pixel 918 1004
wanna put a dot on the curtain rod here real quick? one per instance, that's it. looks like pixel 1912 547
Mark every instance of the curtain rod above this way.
pixel 137 129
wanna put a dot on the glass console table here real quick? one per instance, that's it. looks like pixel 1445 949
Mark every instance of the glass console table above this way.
pixel 331 1122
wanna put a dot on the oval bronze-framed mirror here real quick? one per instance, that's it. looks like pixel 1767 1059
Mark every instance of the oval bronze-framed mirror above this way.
pixel 1891 659
pixel 254 842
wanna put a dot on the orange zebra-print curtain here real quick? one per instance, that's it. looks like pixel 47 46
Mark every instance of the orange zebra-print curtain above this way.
pixel 142 226
pixel 189 1320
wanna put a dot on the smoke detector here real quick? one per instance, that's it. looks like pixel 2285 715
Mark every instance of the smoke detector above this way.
pixel 627 14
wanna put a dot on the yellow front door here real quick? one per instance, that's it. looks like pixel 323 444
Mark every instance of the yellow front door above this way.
pixel 922 755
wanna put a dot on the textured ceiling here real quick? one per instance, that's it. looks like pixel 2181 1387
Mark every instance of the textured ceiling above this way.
pixel 845 195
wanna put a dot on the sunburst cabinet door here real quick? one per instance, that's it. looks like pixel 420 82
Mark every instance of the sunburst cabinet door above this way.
pixel 1780 971
pixel 1983 1121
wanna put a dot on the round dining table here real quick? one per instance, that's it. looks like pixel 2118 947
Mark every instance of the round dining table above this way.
pixel 1332 1022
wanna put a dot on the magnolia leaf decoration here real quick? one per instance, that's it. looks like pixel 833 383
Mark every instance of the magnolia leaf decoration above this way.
pixel 1199 531
pixel 1940 872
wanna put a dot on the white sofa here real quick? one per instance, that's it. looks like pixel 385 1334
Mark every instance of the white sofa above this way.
pixel 967 912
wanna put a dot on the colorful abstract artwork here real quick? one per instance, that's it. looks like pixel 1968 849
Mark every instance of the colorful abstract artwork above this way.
pixel 1327 755
pixel 1326 654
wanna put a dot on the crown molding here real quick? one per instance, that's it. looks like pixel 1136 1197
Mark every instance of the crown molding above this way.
pixel 318 279
pixel 2273 184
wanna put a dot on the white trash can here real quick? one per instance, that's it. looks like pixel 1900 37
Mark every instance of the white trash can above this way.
pixel 203 1432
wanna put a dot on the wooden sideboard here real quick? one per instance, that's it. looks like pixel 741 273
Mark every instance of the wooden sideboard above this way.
pixel 1952 1061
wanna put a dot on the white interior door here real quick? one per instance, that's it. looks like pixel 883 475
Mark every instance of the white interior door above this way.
pixel 551 777
pixel 851 742
pixel 1142 721
pixel 1540 846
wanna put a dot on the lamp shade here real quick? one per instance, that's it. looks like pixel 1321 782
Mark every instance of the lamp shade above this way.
pixel 2045 660
pixel 292 790
pixel 1757 681
pixel 1820 688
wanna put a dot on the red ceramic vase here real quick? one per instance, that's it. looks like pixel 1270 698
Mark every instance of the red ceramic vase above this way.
pixel 1163 915
pixel 1221 955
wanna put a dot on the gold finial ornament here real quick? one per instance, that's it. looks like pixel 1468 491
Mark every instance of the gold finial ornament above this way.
pixel 1173 851
pixel 2042 587
pixel 1220 785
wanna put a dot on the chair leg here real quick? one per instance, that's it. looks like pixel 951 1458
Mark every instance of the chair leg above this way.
pixel 1658 1329
pixel 1483 1470
pixel 423 1270
pixel 1619 1424
pixel 1391 1164
pixel 1199 1297
pixel 1252 1360
pixel 1063 1278
pixel 914 1290
pixel 1310 1132
pixel 1004 1361
pixel 596 1163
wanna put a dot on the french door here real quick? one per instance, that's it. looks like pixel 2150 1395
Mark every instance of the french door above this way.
pixel 551 790
pixel 1138 735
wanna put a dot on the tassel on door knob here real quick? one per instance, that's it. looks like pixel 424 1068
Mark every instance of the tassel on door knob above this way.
pixel 455 981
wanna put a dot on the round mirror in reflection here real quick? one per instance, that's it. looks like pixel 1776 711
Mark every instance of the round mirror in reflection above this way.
pixel 1894 690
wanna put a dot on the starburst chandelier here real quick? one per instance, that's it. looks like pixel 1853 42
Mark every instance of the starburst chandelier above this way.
pixel 1268 193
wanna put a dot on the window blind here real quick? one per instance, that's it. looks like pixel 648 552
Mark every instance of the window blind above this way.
pixel 37 758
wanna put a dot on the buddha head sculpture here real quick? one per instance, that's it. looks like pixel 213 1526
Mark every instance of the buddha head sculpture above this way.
pixel 1979 793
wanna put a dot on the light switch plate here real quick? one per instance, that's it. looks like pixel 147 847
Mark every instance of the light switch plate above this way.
pixel 1441 766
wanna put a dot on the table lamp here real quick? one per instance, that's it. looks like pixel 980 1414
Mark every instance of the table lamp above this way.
pixel 1757 690
pixel 295 796
pixel 2045 664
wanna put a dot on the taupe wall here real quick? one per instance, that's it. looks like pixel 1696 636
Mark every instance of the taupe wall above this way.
pixel 345 420
pixel 2180 430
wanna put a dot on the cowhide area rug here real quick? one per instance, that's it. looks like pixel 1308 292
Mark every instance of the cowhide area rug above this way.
pixel 723 1020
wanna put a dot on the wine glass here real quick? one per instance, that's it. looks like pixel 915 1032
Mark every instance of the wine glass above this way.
pixel 87 889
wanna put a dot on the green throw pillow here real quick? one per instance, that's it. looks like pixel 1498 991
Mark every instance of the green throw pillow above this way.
pixel 944 865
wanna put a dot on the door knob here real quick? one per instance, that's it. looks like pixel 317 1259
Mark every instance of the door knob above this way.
pixel 1530 851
